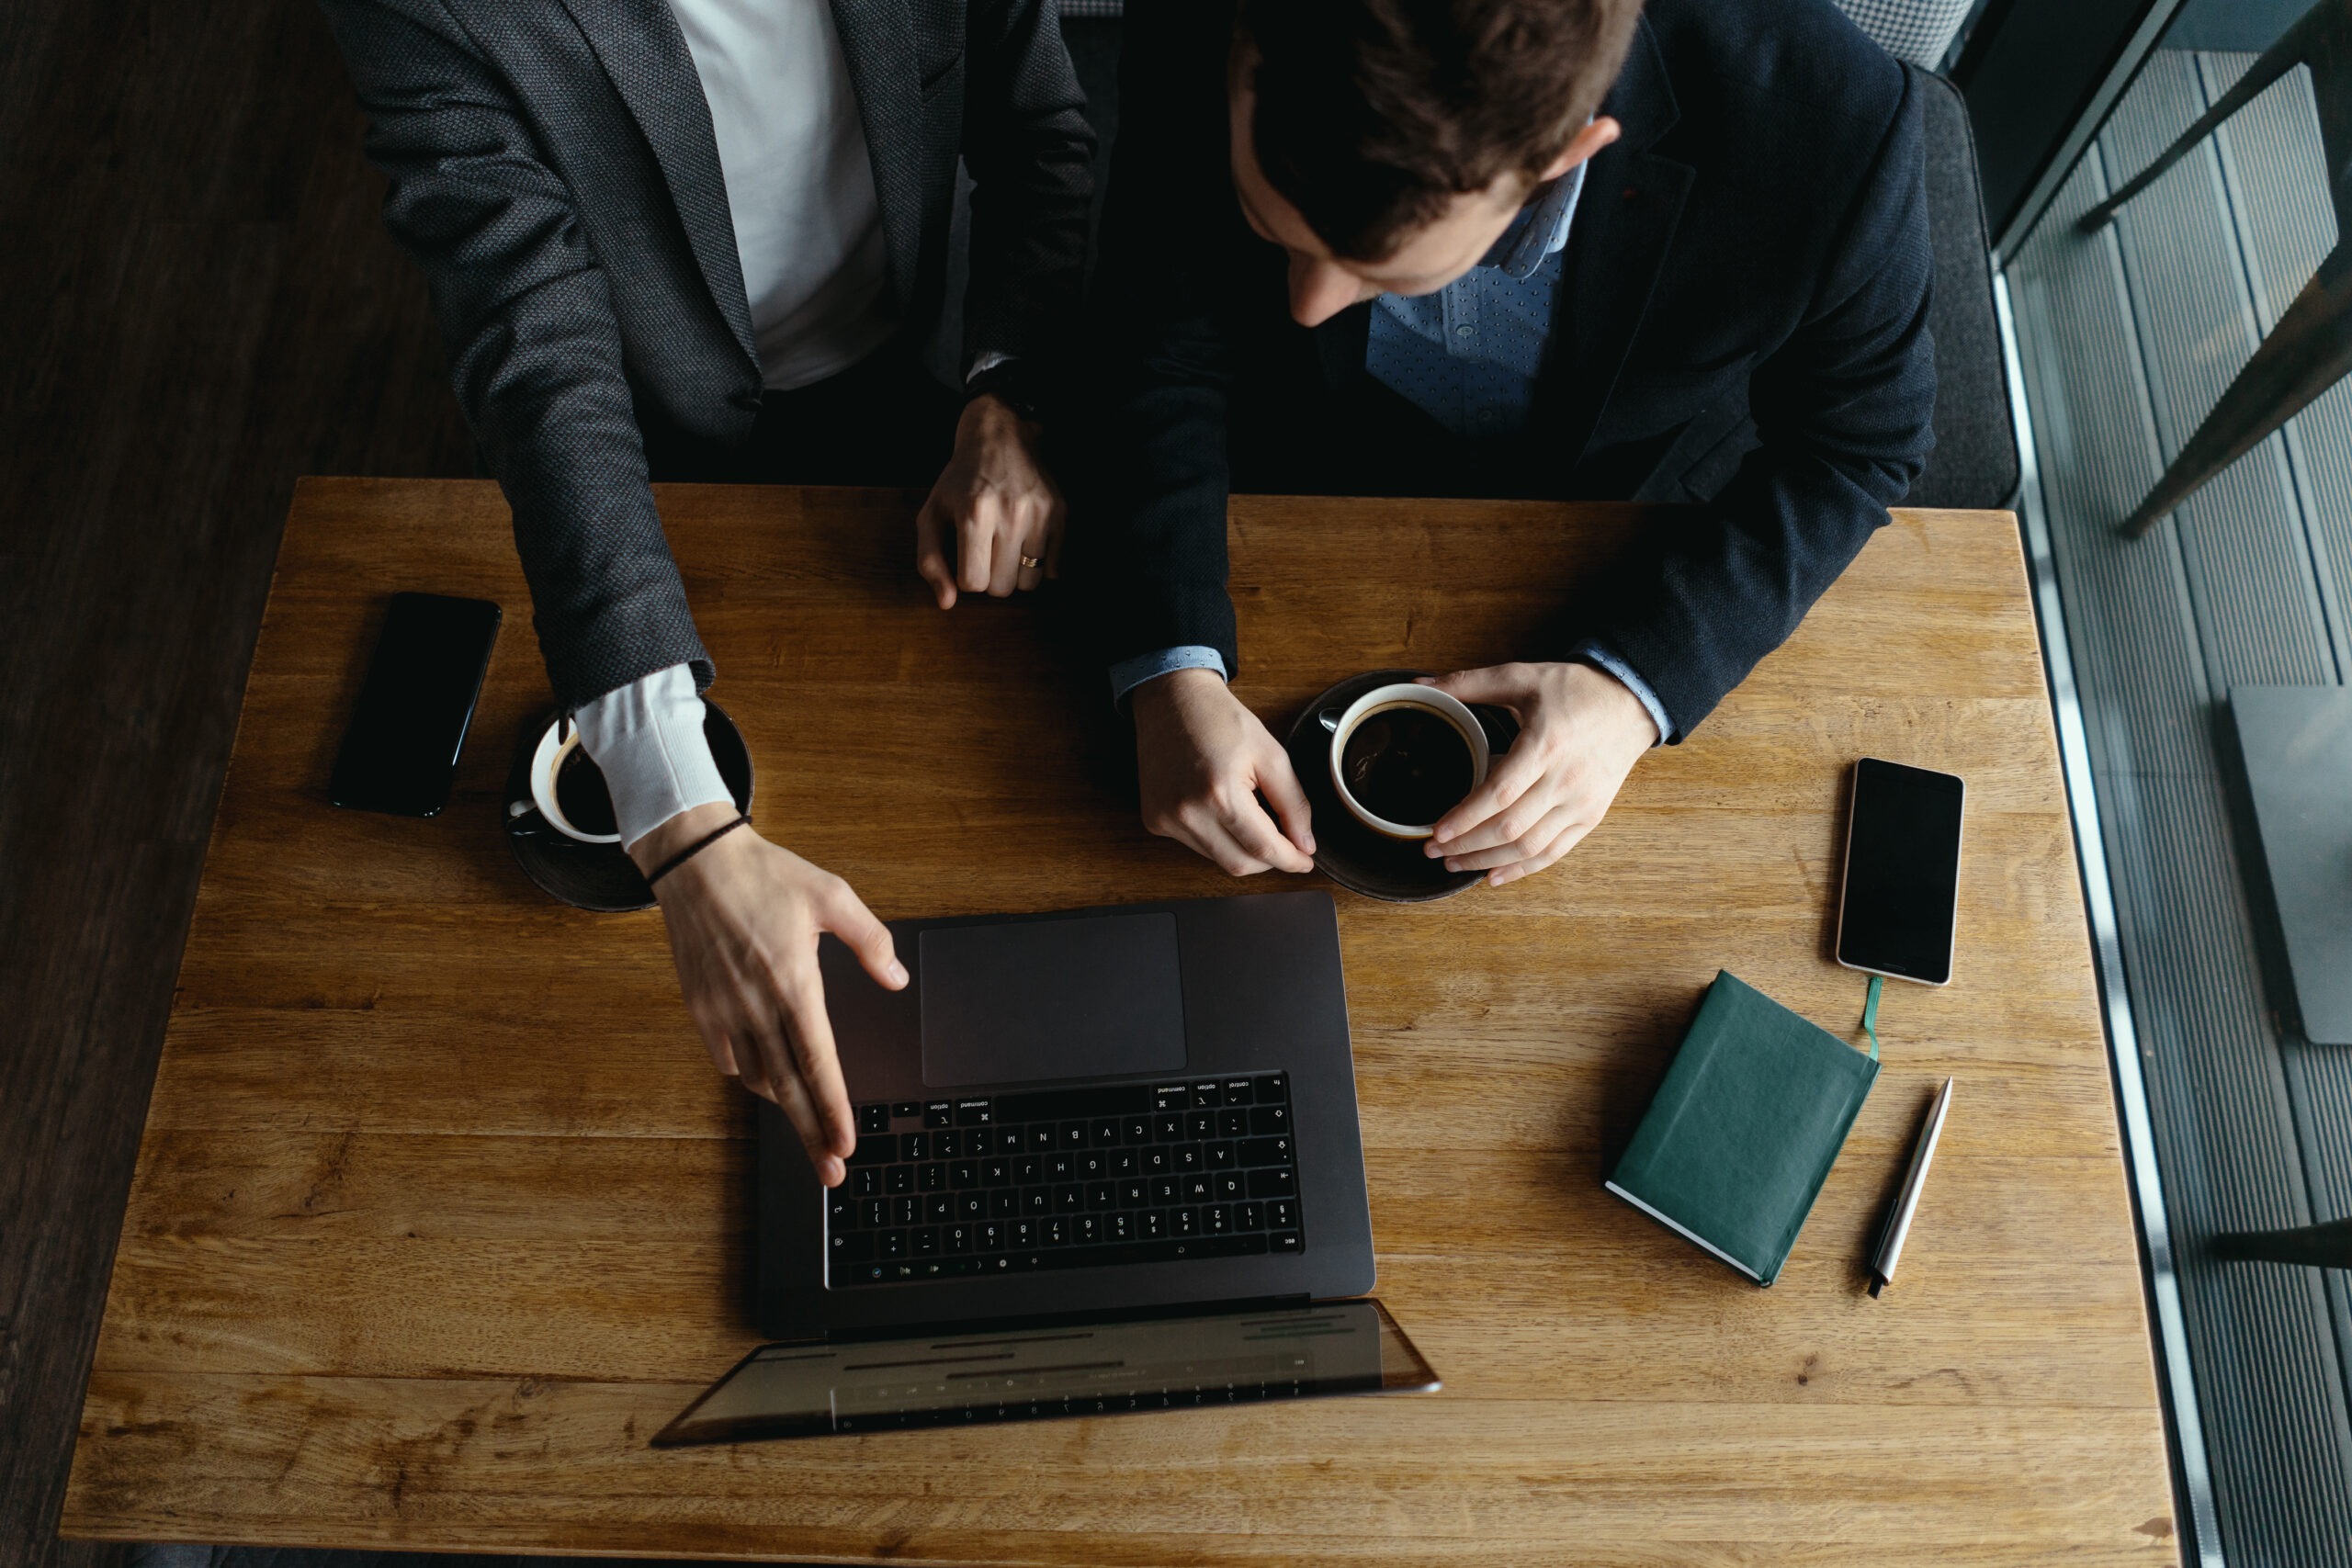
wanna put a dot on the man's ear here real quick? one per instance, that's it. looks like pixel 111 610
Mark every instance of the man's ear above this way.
pixel 1596 135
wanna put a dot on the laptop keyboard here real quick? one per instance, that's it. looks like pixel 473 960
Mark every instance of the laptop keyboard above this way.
pixel 1066 1179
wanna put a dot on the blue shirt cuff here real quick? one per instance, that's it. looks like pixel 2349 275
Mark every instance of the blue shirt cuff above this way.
pixel 1127 674
pixel 1593 650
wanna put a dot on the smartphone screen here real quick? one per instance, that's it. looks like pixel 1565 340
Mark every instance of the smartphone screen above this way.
pixel 1901 873
pixel 400 753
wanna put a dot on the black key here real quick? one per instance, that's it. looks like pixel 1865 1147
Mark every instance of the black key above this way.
pixel 1273 1090
pixel 1247 1242
pixel 1125 1162
pixel 1168 1129
pixel 995 1171
pixel 1093 1165
pixel 1103 1132
pixel 1135 1130
pixel 1275 1183
pixel 939 1113
pixel 1087 1229
pixel 1153 1223
pixel 1101 1195
pixel 926 1242
pixel 1003 1204
pixel 874 1212
pixel 1163 1190
pixel 1125 1227
pixel 1041 1138
pixel 906 1107
pixel 1159 1160
pixel 1207 1096
pixel 915 1146
pixel 1054 1231
pixel 1239 1091
pixel 1265 1151
pixel 1061 1168
pixel 868 1182
pixel 898 1179
pixel 1220 1156
pixel 1183 1222
pixel 1250 1216
pixel 872 1118
pixel 1028 1169
pixel 995 1238
pixel 971 1205
pixel 1172 1097
pixel 1214 1220
pixel 1270 1118
pixel 945 1143
pixel 958 1238
pixel 875 1149
pixel 1193 1189
pixel 938 1207
pixel 1189 1156
pixel 1059 1104
pixel 1024 1234
pixel 840 1208
pixel 1073 1135
pixel 852 1247
pixel 1036 1200
pixel 904 1210
pixel 1133 1195
pixel 931 1177
pixel 963 1173
pixel 1228 1185
pixel 1283 1241
pixel 1011 1140
pixel 972 1112
pixel 1201 1124
pixel 1069 1200
pixel 1235 1124
pixel 1282 1214
pixel 894 1244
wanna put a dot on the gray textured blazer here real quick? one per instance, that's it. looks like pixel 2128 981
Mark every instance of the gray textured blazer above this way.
pixel 554 171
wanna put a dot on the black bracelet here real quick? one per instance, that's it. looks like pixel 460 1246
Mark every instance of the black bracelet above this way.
pixel 683 856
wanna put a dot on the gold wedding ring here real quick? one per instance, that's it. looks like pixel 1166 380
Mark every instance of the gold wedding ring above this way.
pixel 1031 561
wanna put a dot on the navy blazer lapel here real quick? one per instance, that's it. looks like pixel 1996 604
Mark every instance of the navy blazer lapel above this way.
pixel 1633 201
pixel 644 55
pixel 1343 341
pixel 877 39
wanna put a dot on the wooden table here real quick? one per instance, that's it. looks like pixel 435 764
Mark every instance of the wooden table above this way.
pixel 441 1211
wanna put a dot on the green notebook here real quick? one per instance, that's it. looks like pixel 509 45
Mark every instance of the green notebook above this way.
pixel 1743 1130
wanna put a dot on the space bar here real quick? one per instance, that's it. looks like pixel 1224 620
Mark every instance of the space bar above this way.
pixel 1119 1252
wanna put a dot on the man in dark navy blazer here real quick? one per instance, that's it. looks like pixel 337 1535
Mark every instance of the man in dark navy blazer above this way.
pixel 1549 248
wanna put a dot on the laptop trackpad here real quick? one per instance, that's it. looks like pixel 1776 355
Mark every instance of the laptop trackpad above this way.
pixel 1036 999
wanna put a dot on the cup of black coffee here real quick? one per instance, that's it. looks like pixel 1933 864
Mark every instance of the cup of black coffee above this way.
pixel 1403 756
pixel 570 789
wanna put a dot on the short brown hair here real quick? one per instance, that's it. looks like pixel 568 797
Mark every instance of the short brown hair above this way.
pixel 1372 114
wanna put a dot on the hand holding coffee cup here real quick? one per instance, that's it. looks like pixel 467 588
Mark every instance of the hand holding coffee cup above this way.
pixel 1404 755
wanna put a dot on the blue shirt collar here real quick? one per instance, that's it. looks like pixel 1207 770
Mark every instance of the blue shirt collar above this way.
pixel 1540 229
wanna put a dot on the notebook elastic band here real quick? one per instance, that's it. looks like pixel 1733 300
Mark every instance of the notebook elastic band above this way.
pixel 1870 1014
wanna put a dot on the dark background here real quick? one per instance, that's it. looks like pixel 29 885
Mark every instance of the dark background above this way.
pixel 198 302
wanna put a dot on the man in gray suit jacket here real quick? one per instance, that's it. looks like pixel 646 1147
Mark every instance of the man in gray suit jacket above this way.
pixel 707 239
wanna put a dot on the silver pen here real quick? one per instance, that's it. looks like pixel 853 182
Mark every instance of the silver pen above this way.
pixel 1898 1219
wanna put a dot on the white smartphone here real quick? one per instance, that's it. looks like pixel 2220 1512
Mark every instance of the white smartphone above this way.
pixel 1902 892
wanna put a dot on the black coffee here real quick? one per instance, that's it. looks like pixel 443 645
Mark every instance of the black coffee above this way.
pixel 1406 766
pixel 580 791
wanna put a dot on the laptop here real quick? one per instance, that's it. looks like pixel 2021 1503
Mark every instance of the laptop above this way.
pixel 1095 1112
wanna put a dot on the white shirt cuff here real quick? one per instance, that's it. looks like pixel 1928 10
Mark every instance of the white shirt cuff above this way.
pixel 646 738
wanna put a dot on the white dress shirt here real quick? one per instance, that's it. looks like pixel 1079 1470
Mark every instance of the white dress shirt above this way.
pixel 809 235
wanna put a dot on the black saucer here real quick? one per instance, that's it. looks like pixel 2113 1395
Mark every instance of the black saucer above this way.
pixel 1396 871
pixel 600 877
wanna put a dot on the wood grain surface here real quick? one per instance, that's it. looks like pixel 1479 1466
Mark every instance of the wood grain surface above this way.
pixel 441 1211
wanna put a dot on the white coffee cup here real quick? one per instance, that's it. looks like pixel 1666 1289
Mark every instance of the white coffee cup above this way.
pixel 1381 699
pixel 562 738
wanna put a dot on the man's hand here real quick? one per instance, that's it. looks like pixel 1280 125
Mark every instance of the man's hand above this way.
pixel 1580 733
pixel 1203 759
pixel 744 916
pixel 998 504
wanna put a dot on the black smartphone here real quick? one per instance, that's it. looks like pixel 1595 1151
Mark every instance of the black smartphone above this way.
pixel 400 753
pixel 1901 873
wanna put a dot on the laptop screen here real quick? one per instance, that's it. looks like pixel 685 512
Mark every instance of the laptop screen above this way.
pixel 796 1391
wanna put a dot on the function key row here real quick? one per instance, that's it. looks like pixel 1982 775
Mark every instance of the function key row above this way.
pixel 1254 1122
pixel 1078 1104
